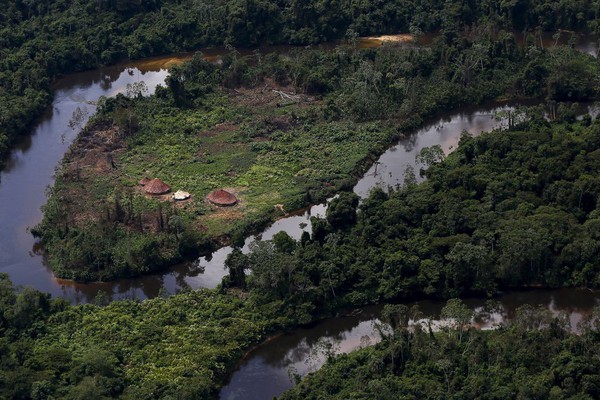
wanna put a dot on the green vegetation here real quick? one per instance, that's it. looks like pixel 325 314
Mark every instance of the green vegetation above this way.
pixel 180 346
pixel 513 208
pixel 534 226
pixel 42 40
pixel 534 356
pixel 510 208
pixel 183 346
pixel 279 130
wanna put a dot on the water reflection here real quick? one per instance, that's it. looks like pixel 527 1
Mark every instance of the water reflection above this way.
pixel 266 372
pixel 207 272
pixel 30 168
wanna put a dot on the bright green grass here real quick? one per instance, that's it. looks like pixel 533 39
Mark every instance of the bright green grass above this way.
pixel 218 145
pixel 263 172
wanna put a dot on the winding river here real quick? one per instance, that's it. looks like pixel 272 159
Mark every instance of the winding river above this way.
pixel 264 372
pixel 30 171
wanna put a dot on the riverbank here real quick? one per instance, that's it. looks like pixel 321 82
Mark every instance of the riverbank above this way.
pixel 185 343
pixel 192 340
pixel 275 138
pixel 249 157
pixel 276 365
pixel 208 271
pixel 297 310
pixel 531 356
pixel 105 33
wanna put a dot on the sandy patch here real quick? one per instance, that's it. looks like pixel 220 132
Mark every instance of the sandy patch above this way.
pixel 399 38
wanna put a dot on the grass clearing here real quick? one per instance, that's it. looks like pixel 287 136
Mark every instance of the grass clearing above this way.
pixel 270 156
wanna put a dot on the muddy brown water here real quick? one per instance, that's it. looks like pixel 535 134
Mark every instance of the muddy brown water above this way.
pixel 30 168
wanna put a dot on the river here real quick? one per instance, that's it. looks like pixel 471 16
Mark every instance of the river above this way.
pixel 266 371
pixel 31 165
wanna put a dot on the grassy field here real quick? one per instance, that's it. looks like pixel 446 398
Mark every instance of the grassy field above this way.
pixel 269 156
pixel 275 156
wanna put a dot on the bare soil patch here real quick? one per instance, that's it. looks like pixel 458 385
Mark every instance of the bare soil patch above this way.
pixel 269 93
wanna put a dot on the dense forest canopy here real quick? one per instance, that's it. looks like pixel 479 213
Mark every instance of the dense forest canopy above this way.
pixel 534 356
pixel 183 347
pixel 514 207
pixel 41 40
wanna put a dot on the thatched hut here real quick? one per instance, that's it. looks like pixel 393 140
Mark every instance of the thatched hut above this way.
pixel 144 181
pixel 156 186
pixel 222 197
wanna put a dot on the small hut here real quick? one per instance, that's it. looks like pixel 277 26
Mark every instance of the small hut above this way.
pixel 156 186
pixel 222 197
pixel 180 195
pixel 144 181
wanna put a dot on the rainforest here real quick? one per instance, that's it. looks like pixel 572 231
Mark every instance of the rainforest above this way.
pixel 274 114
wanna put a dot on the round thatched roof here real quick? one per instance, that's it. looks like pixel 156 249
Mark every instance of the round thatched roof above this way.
pixel 144 181
pixel 156 186
pixel 222 197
